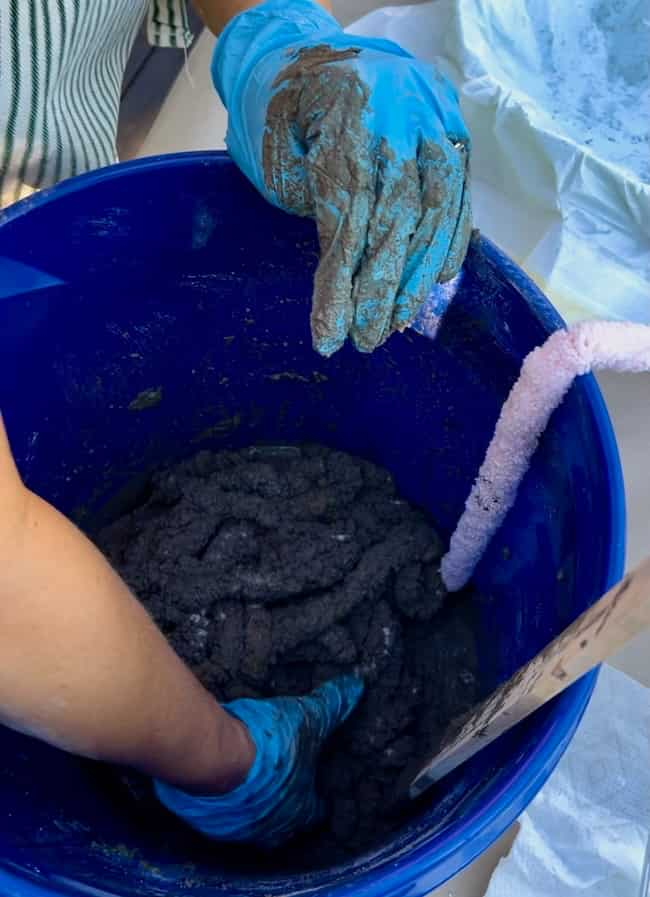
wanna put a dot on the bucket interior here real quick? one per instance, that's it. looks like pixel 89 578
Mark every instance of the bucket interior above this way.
pixel 182 323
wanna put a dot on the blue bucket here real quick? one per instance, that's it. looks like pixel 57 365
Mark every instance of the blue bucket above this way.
pixel 174 316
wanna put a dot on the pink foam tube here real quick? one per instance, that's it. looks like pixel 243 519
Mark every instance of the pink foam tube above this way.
pixel 546 376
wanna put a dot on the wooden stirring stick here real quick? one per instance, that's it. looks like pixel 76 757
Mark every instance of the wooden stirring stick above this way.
pixel 597 634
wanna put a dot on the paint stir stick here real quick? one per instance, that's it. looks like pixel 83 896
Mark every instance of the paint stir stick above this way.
pixel 597 634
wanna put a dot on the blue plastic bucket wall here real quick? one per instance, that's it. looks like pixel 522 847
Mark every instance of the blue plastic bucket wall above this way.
pixel 182 324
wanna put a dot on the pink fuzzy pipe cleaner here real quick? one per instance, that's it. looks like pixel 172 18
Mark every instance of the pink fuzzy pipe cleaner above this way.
pixel 546 376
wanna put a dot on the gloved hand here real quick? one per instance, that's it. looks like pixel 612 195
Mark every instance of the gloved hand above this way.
pixel 362 137
pixel 278 796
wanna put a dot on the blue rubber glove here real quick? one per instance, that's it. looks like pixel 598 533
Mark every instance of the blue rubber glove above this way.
pixel 278 797
pixel 357 134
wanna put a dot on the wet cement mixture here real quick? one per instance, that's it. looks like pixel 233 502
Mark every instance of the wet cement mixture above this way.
pixel 275 568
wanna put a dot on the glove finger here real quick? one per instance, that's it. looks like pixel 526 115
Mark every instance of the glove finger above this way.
pixel 283 163
pixel 305 811
pixel 342 224
pixel 442 173
pixel 333 702
pixel 392 224
pixel 461 238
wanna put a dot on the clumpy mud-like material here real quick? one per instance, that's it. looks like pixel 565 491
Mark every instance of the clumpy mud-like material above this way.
pixel 273 569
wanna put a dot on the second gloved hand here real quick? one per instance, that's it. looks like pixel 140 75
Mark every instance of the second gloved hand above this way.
pixel 278 797
pixel 357 134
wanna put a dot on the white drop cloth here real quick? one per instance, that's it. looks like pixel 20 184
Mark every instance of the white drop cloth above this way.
pixel 586 832
pixel 556 95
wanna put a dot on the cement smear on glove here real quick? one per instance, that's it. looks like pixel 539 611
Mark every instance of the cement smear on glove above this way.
pixel 273 569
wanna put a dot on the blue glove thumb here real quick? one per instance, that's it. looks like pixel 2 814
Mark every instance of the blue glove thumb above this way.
pixel 278 797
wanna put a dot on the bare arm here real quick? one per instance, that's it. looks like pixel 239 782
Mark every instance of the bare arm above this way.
pixel 217 13
pixel 85 668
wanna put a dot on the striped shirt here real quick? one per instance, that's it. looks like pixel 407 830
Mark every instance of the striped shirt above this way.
pixel 62 64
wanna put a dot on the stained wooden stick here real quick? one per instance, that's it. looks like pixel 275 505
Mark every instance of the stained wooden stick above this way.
pixel 597 634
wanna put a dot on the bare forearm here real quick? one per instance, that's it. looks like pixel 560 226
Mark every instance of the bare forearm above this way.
pixel 85 668
pixel 217 13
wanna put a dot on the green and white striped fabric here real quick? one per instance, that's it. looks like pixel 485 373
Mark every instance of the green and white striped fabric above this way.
pixel 61 68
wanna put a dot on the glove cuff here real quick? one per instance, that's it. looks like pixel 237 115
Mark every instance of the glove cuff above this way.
pixel 254 33
pixel 240 814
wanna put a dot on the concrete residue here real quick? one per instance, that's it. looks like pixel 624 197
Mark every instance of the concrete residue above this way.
pixel 148 398
pixel 275 568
